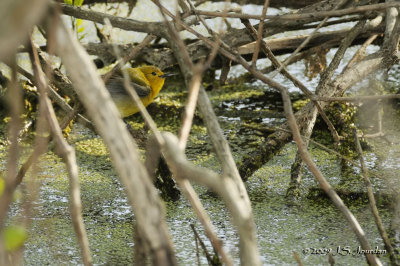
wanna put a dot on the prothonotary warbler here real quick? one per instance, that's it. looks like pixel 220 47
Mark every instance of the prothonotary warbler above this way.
pixel 147 82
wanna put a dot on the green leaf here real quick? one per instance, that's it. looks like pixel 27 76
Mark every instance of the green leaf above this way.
pixel 78 2
pixel 2 185
pixel 14 237
pixel 78 22
pixel 82 36
pixel 68 2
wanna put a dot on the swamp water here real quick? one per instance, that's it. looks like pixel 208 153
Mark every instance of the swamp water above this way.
pixel 315 224
pixel 281 229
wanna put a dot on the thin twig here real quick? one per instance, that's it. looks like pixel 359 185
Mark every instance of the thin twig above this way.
pixel 297 258
pixel 149 38
pixel 259 33
pixel 322 181
pixel 203 246
pixel 183 183
pixel 214 50
pixel 14 97
pixel 194 85
pixel 292 122
pixel 331 260
pixel 60 101
pixel 306 41
pixel 68 154
pixel 372 202
pixel 326 76
pixel 197 251
pixel 347 159
pixel 184 6
pixel 174 34
pixel 295 81
pixel 119 22
pixel 360 52
pixel 223 185
pixel 243 216
pixel 190 106
pixel 40 149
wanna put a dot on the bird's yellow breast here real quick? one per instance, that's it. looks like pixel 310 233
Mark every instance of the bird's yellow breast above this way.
pixel 151 82
pixel 128 107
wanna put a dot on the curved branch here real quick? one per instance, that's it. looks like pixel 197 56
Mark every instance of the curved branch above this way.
pixel 142 195
pixel 118 22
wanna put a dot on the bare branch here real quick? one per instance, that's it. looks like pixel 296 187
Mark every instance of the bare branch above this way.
pixel 296 82
pixel 359 98
pixel 60 101
pixel 140 191
pixel 153 28
pixel 223 185
pixel 15 96
pixel 372 201
pixel 68 154
pixel 148 39
pixel 248 247
pixel 306 41
pixel 322 181
pixel 14 34
pixel 260 33
pixel 360 54
pixel 313 16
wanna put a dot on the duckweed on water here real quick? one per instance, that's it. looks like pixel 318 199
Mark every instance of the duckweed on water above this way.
pixel 281 229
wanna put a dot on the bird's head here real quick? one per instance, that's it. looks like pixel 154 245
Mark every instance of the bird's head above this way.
pixel 154 75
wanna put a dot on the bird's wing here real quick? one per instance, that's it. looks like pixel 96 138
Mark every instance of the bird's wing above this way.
pixel 142 91
pixel 137 76
pixel 115 86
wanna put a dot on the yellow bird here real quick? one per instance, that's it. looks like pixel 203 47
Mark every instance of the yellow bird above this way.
pixel 147 82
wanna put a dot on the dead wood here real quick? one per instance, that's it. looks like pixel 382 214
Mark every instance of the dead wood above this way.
pixel 274 3
pixel 164 57
pixel 141 193
pixel 335 88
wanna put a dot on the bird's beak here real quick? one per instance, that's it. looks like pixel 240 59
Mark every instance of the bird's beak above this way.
pixel 167 75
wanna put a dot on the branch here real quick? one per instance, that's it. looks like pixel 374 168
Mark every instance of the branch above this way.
pixel 236 38
pixel 240 207
pixel 356 98
pixel 328 73
pixel 313 16
pixel 302 148
pixel 223 185
pixel 372 202
pixel 281 67
pixel 259 34
pixel 14 96
pixel 60 101
pixel 66 152
pixel 303 151
pixel 274 3
pixel 13 34
pixel 153 28
pixel 141 193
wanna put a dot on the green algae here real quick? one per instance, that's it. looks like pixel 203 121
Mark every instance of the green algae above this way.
pixel 314 223
pixel 281 229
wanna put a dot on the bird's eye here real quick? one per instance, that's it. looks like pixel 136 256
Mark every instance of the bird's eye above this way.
pixel 154 73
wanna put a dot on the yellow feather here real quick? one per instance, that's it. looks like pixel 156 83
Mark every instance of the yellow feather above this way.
pixel 150 81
